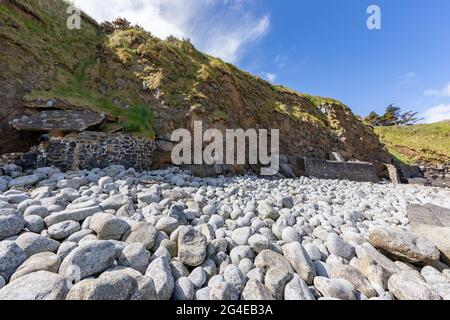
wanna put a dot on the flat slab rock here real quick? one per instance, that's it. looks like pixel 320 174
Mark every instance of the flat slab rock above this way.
pixel 59 120
pixel 432 222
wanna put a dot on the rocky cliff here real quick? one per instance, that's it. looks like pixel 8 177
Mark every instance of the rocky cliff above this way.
pixel 150 87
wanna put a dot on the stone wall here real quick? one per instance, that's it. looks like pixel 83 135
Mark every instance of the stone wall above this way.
pixel 88 150
pixel 353 171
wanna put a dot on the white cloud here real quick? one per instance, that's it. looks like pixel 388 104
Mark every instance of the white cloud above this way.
pixel 222 28
pixel 444 92
pixel 271 77
pixel 406 78
pixel 436 114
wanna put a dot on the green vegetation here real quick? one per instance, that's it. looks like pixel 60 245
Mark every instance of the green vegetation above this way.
pixel 68 59
pixel 429 143
pixel 391 117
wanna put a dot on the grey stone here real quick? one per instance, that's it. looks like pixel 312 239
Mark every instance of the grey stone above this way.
pixel 178 270
pixel 109 286
pixel 11 257
pixel 79 235
pixel 403 244
pixel 313 252
pixel 149 197
pixel 36 210
pixel 144 233
pixel 34 223
pixel 44 261
pixel 89 258
pixel 322 269
pixel 145 290
pixel 41 285
pixel 289 234
pixel 268 259
pixel 184 290
pixel 433 223
pixel 241 235
pixel 72 215
pixel 234 276
pixel 256 291
pixel 374 265
pixel 297 290
pixel 108 226
pixel 276 280
pixel 198 277
pixel 335 288
pixel 409 285
pixel 65 248
pixel 203 294
pixel 167 224
pixel 223 291
pixel 259 243
pixel 62 230
pixel 355 277
pixel 24 181
pixel 266 211
pixel 135 256
pixel 339 247
pixel 33 243
pixel 114 202
pixel 296 254
pixel 256 274
pixel 159 270
pixel 191 247
pixel 11 222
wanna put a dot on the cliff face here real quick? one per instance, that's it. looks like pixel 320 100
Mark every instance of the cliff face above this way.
pixel 150 87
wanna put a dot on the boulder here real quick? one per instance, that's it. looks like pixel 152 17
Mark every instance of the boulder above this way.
pixel 135 256
pixel 11 222
pixel 142 232
pixel 355 277
pixel 108 226
pixel 268 259
pixel 409 285
pixel 88 259
pixel 296 254
pixel 339 247
pixel 71 215
pixel 159 270
pixel 297 290
pixel 41 285
pixel 433 223
pixel 114 202
pixel 24 181
pixel 191 247
pixel 33 243
pixel 11 257
pixel 44 261
pixel 184 290
pixel 335 288
pixel 109 286
pixel 402 244
pixel 256 291
pixel 62 230
pixel 276 280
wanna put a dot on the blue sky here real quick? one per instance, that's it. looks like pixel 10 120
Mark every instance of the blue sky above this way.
pixel 322 47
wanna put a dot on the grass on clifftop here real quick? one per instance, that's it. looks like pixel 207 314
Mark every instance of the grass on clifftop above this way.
pixel 425 143
pixel 39 29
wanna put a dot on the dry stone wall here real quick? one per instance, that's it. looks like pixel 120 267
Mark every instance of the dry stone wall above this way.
pixel 89 150
pixel 353 171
